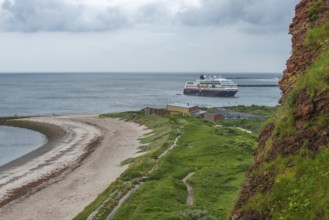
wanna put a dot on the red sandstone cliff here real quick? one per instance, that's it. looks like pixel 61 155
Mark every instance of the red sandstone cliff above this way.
pixel 299 131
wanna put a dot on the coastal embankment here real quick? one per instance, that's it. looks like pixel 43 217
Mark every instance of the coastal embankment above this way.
pixel 81 158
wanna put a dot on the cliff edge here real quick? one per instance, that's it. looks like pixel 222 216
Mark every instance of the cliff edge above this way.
pixel 289 178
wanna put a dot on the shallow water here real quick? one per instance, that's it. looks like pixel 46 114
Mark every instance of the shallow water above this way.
pixel 16 142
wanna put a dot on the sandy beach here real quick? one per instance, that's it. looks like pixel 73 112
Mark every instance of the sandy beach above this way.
pixel 58 180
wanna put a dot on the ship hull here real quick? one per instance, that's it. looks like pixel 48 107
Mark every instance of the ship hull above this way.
pixel 214 93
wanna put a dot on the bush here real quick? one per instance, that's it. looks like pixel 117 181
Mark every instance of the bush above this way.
pixel 196 215
pixel 312 10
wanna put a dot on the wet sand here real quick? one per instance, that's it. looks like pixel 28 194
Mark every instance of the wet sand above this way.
pixel 58 180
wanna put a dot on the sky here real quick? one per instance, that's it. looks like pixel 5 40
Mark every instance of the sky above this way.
pixel 145 35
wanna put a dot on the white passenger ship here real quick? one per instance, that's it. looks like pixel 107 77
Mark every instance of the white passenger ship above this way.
pixel 211 86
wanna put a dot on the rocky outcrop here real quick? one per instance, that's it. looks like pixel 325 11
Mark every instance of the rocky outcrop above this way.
pixel 302 56
pixel 301 126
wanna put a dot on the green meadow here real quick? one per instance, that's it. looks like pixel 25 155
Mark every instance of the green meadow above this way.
pixel 218 154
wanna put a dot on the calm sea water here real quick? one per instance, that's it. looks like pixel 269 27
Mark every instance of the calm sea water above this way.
pixel 33 94
pixel 16 142
pixel 90 93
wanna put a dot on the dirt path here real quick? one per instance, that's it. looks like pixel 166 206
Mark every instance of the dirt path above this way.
pixel 190 193
pixel 66 195
pixel 244 130
pixel 128 194
pixel 164 154
pixel 124 198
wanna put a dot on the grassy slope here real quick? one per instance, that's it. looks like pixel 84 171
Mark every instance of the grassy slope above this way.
pixel 300 190
pixel 219 162
pixel 219 156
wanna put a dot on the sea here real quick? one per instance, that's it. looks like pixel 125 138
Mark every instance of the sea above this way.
pixel 26 94
pixel 16 142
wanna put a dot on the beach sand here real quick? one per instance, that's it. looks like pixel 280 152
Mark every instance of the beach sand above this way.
pixel 62 178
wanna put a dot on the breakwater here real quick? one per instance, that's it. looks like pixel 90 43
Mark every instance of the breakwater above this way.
pixel 7 118
pixel 4 119
pixel 261 85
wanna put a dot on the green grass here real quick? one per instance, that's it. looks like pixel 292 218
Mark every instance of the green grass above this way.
pixel 317 77
pixel 312 10
pixel 219 156
pixel 251 125
pixel 219 162
pixel 300 191
pixel 284 122
pixel 127 161
pixel 265 111
pixel 317 36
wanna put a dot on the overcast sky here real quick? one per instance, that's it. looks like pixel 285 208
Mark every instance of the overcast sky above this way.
pixel 145 35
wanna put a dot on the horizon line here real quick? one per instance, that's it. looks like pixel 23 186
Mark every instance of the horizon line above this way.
pixel 133 72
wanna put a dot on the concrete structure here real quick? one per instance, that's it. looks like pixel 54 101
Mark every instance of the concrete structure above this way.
pixel 184 109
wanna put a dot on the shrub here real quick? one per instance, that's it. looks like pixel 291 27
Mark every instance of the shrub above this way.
pixel 312 10
pixel 196 215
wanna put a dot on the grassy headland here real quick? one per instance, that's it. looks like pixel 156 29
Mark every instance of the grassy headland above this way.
pixel 218 154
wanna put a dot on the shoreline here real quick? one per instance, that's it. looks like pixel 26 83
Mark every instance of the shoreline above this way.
pixel 94 142
pixel 52 136
pixel 29 173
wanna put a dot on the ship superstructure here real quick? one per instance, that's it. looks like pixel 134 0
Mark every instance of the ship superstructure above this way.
pixel 211 86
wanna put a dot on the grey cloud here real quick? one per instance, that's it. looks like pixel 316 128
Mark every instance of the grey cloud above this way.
pixel 153 13
pixel 49 15
pixel 248 15
pixel 254 16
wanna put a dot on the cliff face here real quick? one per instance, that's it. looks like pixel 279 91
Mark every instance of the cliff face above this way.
pixel 292 160
pixel 303 55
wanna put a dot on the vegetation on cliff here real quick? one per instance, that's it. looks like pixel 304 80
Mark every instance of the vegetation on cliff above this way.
pixel 289 177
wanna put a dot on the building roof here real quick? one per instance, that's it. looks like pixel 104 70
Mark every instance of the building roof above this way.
pixel 210 114
pixel 198 112
pixel 182 105
pixel 224 112
pixel 230 113
pixel 154 108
